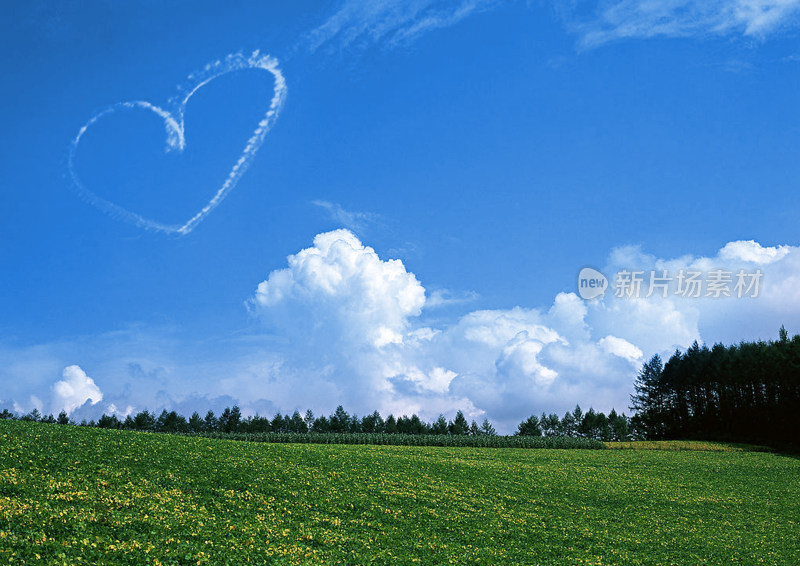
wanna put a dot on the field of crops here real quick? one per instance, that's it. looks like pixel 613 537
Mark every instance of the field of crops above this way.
pixel 460 440
pixel 72 495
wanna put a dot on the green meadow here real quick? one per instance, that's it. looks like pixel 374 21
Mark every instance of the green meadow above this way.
pixel 73 495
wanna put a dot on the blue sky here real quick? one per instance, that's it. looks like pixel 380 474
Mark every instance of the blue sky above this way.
pixel 438 172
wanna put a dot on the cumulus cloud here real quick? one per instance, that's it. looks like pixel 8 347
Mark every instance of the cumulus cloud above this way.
pixel 74 390
pixel 344 314
pixel 759 293
pixel 752 252
pixel 341 324
pixel 622 348
pixel 355 297
pixel 361 322
pixel 621 19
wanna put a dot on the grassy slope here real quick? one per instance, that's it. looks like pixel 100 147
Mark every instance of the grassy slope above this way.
pixel 88 496
pixel 694 445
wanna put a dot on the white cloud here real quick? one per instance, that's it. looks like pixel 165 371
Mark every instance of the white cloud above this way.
pixel 653 325
pixel 354 297
pixel 361 24
pixel 354 220
pixel 371 343
pixel 520 355
pixel 752 252
pixel 353 327
pixel 74 390
pixel 112 409
pixel 347 326
pixel 656 324
pixel 622 348
pixel 496 328
pixel 446 297
pixel 620 19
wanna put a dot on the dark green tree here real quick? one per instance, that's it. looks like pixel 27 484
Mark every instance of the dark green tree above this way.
pixel 258 423
pixel 340 420
pixel 230 420
pixel 144 420
pixel 196 422
pixel 529 427
pixel 33 416
pixel 279 423
pixel 297 423
pixel 619 426
pixel 210 422
pixel 416 426
pixel 568 427
pixel 550 424
pixel 372 423
pixel 439 426
pixel 108 421
pixel 649 401
pixel 577 418
pixel 459 425
pixel 355 424
pixel 587 427
pixel 171 422
pixel 321 424
pixel 309 419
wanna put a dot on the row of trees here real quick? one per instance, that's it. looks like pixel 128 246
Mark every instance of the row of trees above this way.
pixel 577 424
pixel 232 421
pixel 574 424
pixel 748 392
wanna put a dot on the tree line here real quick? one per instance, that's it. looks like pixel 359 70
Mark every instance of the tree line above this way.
pixel 614 427
pixel 574 424
pixel 748 392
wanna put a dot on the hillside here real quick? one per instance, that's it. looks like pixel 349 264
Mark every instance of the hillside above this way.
pixel 72 495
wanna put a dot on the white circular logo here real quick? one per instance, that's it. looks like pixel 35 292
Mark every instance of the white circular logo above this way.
pixel 591 283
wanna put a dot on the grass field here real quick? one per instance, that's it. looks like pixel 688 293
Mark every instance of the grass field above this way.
pixel 693 445
pixel 71 495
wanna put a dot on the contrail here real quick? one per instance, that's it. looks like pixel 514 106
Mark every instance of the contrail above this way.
pixel 174 125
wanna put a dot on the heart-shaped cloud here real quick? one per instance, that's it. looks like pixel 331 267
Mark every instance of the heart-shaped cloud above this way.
pixel 174 125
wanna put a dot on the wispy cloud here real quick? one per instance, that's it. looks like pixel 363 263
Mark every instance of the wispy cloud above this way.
pixel 446 297
pixel 621 19
pixel 360 24
pixel 364 23
pixel 354 220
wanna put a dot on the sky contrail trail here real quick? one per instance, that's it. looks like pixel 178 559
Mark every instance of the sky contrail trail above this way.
pixel 174 125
